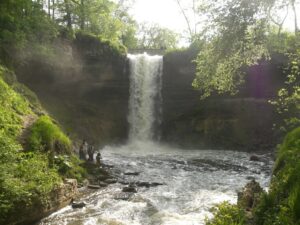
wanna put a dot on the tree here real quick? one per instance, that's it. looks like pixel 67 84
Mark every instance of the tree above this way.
pixel 22 22
pixel 104 18
pixel 236 38
pixel 152 36
pixel 288 101
pixel 190 11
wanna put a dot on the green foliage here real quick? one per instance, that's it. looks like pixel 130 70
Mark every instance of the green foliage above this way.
pixel 227 214
pixel 13 107
pixel 240 34
pixel 69 166
pixel 22 22
pixel 238 41
pixel 28 177
pixel 103 49
pixel 103 18
pixel 288 100
pixel 24 179
pixel 282 204
pixel 152 36
pixel 47 136
pixel 29 97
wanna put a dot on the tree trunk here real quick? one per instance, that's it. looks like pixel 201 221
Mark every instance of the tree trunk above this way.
pixel 295 16
pixel 53 9
pixel 82 16
pixel 49 8
pixel 186 20
pixel 68 14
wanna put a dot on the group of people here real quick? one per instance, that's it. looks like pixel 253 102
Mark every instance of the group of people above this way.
pixel 86 149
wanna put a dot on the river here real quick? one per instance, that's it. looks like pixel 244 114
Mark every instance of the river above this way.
pixel 192 181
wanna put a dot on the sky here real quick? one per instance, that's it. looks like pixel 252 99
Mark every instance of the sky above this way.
pixel 167 14
pixel 164 12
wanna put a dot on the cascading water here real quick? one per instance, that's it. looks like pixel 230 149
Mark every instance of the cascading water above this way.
pixel 145 96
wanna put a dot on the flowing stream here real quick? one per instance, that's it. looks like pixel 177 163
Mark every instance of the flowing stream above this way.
pixel 173 186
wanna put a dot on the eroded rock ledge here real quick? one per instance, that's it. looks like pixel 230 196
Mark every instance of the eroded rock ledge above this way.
pixel 58 198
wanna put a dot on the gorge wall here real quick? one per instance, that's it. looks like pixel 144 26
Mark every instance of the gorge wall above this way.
pixel 86 88
pixel 241 122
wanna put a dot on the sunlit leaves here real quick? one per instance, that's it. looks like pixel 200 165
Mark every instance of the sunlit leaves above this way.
pixel 288 101
pixel 156 37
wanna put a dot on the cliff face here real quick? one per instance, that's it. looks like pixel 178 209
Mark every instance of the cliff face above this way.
pixel 242 122
pixel 85 87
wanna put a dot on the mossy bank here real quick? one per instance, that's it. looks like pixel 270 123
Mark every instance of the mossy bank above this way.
pixel 35 157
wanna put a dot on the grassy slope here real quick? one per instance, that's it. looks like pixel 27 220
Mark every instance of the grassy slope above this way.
pixel 28 174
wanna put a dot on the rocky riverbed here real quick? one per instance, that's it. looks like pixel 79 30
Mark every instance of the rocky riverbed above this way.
pixel 151 184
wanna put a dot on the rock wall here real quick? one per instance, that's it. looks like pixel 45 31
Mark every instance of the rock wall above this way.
pixel 85 87
pixel 58 198
pixel 242 122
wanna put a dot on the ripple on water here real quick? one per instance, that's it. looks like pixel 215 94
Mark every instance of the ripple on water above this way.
pixel 193 181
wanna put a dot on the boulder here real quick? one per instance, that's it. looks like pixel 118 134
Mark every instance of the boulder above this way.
pixel 249 196
pixel 254 158
pixel 129 189
pixel 78 205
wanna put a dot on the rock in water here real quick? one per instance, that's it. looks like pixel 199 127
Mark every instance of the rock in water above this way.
pixel 131 173
pixel 93 186
pixel 254 158
pixel 249 196
pixel 78 205
pixel 129 189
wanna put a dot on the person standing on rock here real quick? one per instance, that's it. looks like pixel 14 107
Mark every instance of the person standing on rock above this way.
pixel 91 153
pixel 98 158
pixel 83 150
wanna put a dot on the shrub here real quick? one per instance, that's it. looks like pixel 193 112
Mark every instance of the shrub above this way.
pixel 13 106
pixel 24 177
pixel 227 214
pixel 70 167
pixel 282 204
pixel 47 136
pixel 95 47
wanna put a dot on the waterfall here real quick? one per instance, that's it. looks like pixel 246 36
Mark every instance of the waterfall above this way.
pixel 145 96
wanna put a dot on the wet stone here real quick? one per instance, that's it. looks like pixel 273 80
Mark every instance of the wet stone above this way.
pixel 91 186
pixel 254 158
pixel 129 189
pixel 78 205
pixel 131 173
